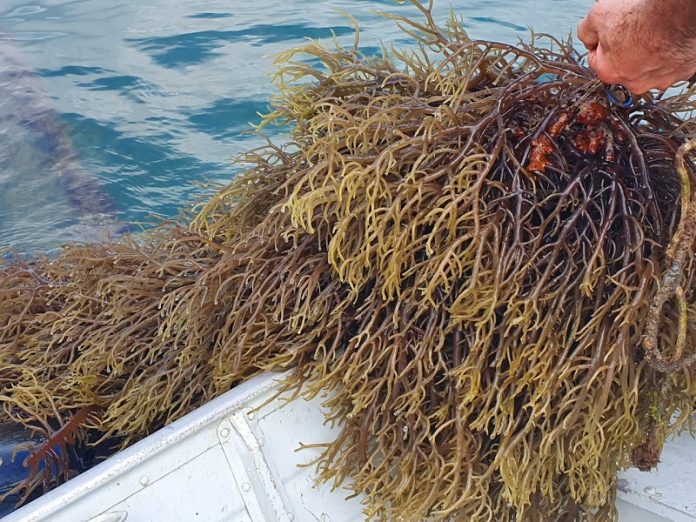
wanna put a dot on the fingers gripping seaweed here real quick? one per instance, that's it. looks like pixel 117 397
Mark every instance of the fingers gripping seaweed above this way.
pixel 489 266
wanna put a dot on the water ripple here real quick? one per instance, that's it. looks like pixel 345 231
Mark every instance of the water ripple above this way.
pixel 228 118
pixel 194 48
pixel 210 16
pixel 26 10
pixel 31 36
pixel 70 70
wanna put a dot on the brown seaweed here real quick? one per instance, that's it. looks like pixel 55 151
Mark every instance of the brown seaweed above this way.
pixel 487 264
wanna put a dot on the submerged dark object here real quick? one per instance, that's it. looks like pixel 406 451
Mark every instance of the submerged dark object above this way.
pixel 472 253
pixel 43 185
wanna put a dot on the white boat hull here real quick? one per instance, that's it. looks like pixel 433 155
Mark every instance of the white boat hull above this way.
pixel 235 460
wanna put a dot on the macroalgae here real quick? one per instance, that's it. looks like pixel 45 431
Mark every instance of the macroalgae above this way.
pixel 488 265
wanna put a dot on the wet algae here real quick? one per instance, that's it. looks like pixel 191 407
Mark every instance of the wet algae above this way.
pixel 488 265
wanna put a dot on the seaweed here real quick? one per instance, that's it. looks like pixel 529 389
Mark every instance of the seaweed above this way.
pixel 486 263
pixel 48 448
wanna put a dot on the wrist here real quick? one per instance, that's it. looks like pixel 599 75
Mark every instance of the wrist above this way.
pixel 672 26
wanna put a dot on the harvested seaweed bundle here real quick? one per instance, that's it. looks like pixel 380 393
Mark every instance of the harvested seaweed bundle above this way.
pixel 464 242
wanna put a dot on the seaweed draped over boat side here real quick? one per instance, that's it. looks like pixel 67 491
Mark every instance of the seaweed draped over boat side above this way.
pixel 464 242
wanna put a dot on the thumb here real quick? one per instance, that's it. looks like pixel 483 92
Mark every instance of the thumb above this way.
pixel 592 59
pixel 587 33
pixel 601 64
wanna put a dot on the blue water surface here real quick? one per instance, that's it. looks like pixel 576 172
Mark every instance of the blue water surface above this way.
pixel 119 112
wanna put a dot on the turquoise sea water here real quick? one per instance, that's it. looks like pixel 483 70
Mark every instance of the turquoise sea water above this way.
pixel 114 112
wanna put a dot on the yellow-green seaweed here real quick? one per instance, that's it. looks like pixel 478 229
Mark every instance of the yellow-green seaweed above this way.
pixel 480 322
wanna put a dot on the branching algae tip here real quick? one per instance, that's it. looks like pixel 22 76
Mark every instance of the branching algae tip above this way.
pixel 487 264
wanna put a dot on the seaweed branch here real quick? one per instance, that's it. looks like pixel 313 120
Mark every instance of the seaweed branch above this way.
pixel 678 255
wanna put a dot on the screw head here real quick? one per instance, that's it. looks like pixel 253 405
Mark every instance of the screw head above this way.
pixel 224 433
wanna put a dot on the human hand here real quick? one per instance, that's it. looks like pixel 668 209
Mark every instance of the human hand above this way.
pixel 641 44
